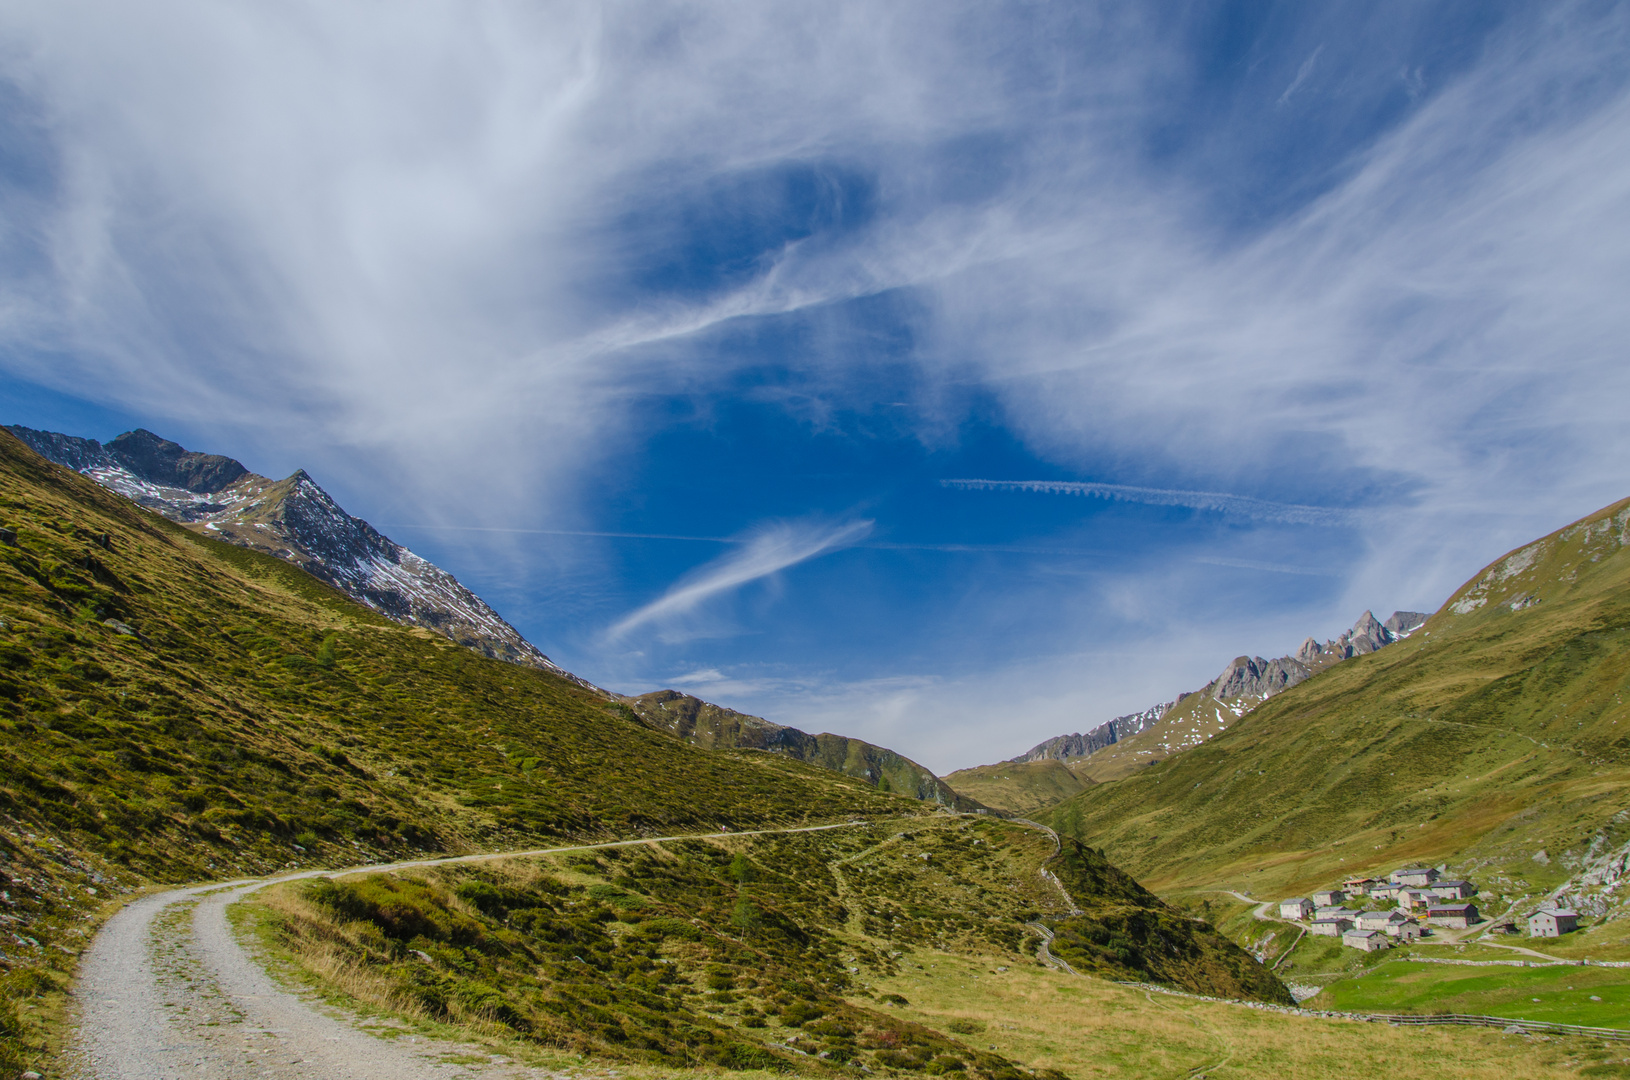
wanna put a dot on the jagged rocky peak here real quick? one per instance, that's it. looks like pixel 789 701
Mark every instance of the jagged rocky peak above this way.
pixel 295 520
pixel 163 462
pixel 1252 676
pixel 1367 635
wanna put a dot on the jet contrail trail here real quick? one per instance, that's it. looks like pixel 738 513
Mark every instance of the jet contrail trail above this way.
pixel 1217 501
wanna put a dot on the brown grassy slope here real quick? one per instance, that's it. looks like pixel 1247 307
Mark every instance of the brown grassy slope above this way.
pixel 1019 787
pixel 1498 731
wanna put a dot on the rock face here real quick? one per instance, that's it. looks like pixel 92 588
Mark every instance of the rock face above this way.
pixel 293 519
pixel 1252 676
pixel 1065 747
pixel 715 727
pixel 1366 636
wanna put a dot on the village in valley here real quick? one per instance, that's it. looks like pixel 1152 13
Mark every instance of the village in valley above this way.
pixel 1397 907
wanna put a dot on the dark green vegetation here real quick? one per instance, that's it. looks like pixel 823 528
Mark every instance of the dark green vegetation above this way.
pixel 1564 993
pixel 711 726
pixel 178 709
pixel 1125 930
pixel 1018 787
pixel 1496 739
pixel 734 950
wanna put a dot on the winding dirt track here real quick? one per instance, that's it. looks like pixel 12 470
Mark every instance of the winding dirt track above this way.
pixel 166 991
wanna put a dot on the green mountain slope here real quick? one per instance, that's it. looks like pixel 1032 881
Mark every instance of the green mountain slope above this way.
pixel 180 709
pixel 1019 787
pixel 1496 739
pixel 712 726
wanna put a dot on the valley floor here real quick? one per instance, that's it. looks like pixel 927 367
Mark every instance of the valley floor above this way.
pixel 170 989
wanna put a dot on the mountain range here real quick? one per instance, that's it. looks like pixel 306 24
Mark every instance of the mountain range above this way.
pixel 1110 750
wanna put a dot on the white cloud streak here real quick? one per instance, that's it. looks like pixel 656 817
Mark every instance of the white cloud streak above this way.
pixel 766 552
pixel 1301 75
pixel 1237 506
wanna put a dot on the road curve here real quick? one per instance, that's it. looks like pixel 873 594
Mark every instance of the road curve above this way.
pixel 167 991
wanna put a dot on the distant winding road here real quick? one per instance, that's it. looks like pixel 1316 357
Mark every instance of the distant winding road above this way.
pixel 166 991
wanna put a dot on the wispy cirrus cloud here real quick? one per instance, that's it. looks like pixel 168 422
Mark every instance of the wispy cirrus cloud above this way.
pixel 763 553
pixel 1237 506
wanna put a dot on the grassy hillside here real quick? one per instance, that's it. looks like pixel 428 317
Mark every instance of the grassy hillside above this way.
pixel 1123 927
pixel 1497 739
pixel 179 709
pixel 1019 787
pixel 849 945
pixel 733 950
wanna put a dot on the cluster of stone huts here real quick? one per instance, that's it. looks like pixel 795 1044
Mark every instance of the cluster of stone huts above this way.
pixel 1416 890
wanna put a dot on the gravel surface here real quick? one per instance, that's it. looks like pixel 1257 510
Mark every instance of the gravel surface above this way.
pixel 167 991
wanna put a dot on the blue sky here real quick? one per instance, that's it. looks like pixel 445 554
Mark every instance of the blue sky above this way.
pixel 664 326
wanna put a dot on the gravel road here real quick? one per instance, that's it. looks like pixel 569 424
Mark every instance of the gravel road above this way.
pixel 167 991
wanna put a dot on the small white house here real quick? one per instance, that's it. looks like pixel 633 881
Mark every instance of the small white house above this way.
pixel 1408 930
pixel 1328 897
pixel 1417 877
pixel 1365 940
pixel 1299 908
pixel 1453 890
pixel 1551 921
pixel 1331 927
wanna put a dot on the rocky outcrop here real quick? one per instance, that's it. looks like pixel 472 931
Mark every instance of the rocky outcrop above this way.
pixel 1079 745
pixel 1366 636
pixel 295 520
pixel 715 727
pixel 1252 676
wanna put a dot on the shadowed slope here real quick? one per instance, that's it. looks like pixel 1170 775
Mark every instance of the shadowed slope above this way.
pixel 704 724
